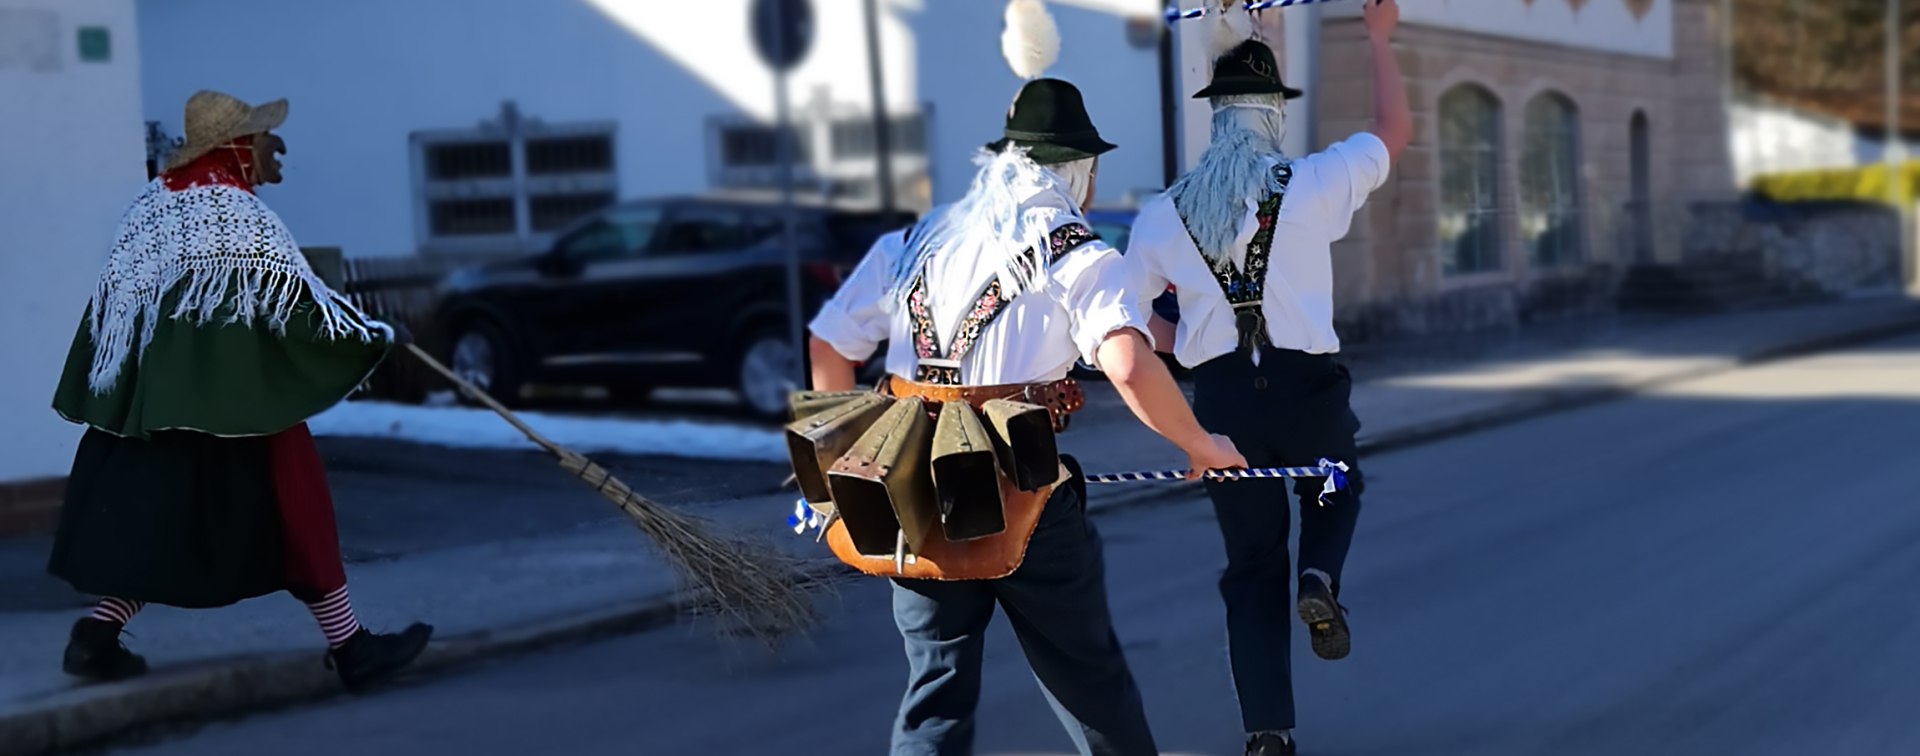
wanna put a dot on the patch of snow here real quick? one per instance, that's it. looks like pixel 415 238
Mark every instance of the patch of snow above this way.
pixel 470 428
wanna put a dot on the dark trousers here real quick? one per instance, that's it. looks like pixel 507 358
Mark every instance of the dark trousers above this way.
pixel 1057 603
pixel 1289 411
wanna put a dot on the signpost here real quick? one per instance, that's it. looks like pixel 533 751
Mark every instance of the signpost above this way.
pixel 1896 157
pixel 783 32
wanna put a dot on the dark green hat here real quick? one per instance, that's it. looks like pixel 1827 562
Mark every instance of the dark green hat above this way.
pixel 1247 69
pixel 1050 119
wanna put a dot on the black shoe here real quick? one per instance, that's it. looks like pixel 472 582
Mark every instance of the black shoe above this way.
pixel 370 658
pixel 94 652
pixel 1326 619
pixel 1269 744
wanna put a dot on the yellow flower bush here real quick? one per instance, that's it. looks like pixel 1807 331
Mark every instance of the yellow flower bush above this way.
pixel 1863 183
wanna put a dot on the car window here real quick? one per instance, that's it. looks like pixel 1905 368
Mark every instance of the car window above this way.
pixel 619 234
pixel 698 229
pixel 852 234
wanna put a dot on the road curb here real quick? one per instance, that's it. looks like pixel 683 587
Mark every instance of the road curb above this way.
pixel 95 714
pixel 1549 403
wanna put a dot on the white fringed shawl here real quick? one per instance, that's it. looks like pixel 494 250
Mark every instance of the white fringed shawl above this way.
pixel 222 248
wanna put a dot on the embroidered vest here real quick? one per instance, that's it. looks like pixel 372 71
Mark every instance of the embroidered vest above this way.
pixel 941 367
pixel 1246 288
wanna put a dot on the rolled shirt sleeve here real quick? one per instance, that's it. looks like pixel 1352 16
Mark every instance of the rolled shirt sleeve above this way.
pixel 1142 258
pixel 1347 172
pixel 854 321
pixel 1101 293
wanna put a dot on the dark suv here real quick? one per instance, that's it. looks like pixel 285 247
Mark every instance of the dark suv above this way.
pixel 679 292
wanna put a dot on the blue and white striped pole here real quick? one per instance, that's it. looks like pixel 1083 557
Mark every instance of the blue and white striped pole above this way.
pixel 805 517
pixel 1176 14
pixel 1334 472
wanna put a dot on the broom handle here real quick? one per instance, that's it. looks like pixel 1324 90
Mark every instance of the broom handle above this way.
pixel 482 397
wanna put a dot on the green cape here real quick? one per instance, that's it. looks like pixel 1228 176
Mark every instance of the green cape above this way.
pixel 221 378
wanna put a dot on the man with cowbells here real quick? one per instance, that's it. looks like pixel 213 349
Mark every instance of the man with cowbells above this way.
pixel 990 299
pixel 207 345
pixel 1245 241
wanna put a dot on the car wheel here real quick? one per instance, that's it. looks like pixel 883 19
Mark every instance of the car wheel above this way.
pixel 482 357
pixel 766 373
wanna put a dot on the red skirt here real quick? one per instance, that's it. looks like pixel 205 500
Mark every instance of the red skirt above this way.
pixel 313 561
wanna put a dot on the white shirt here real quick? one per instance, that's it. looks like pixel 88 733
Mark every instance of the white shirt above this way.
pixel 1088 295
pixel 1326 189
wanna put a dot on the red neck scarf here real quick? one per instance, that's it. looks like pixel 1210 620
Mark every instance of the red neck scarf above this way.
pixel 229 164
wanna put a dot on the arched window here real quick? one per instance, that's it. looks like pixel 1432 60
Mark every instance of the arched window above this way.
pixel 1550 221
pixel 1469 181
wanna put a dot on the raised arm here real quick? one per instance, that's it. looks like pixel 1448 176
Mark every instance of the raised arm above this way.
pixel 1393 120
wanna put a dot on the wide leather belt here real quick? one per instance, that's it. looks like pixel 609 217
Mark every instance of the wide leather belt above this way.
pixel 1061 398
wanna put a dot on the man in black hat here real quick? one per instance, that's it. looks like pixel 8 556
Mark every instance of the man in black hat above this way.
pixel 1245 239
pixel 1000 294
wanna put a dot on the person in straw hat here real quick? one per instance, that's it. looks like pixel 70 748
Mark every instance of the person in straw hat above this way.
pixel 1244 240
pixel 207 345
pixel 1001 293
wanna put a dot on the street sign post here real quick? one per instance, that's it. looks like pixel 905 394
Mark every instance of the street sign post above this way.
pixel 783 32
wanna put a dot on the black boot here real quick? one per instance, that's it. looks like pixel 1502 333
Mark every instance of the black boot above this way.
pixel 94 652
pixel 369 658
pixel 1326 619
pixel 1269 744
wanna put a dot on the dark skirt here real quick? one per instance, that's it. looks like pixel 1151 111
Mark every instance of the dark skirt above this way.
pixel 184 519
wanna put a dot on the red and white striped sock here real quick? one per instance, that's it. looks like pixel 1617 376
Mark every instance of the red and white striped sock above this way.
pixel 117 611
pixel 335 615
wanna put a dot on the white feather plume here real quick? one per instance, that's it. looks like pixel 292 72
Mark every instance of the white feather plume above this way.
pixel 1031 42
pixel 1231 24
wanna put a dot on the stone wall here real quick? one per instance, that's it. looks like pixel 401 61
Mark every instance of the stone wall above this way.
pixel 1829 249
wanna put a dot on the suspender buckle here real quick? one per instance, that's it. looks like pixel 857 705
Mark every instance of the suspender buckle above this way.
pixel 1251 321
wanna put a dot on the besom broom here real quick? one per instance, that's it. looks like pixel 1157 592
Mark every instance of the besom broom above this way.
pixel 750 583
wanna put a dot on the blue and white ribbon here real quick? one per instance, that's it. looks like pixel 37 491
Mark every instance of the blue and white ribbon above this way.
pixel 1174 13
pixel 805 517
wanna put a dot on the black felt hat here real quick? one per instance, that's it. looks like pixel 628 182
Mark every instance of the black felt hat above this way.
pixel 1050 119
pixel 1247 69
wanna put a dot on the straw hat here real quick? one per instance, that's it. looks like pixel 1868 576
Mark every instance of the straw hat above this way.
pixel 214 119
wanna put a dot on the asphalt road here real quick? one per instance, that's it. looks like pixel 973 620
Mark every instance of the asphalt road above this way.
pixel 1729 566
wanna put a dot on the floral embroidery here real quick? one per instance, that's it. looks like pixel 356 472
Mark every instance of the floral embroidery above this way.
pixel 1246 290
pixel 986 308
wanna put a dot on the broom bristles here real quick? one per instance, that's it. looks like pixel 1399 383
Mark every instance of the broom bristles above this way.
pixel 751 583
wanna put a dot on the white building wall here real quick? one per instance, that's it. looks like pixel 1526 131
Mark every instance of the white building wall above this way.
pixel 71 158
pixel 1771 139
pixel 364 74
pixel 1631 27
pixel 963 74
